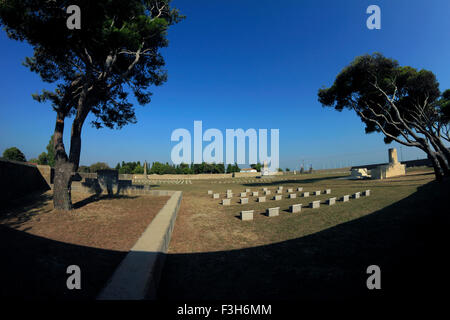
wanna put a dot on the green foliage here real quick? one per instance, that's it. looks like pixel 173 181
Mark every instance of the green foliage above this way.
pixel 130 168
pixel 287 170
pixel 280 170
pixel 257 166
pixel 84 169
pixel 51 153
pixel 444 106
pixel 100 55
pixel 14 154
pixel 43 159
pixel 166 168
pixel 370 80
pixel 98 166
pixel 47 158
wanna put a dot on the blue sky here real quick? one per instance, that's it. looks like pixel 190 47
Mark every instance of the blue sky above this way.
pixel 247 64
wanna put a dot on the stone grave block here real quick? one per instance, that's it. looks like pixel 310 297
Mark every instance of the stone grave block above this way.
pixel 315 204
pixel 244 200
pixel 345 198
pixel 226 202
pixel 265 189
pixel 300 189
pixel 295 208
pixel 305 194
pixel 255 193
pixel 108 181
pixel 267 192
pixel 229 191
pixel 327 191
pixel 331 201
pixel 210 192
pixel 366 193
pixel 273 212
pixel 279 191
pixel 317 193
pixel 277 197
pixel 243 194
pixel 290 190
pixel 262 199
pixel 215 196
pixel 247 215
pixel 247 190
pixel 292 196
pixel 356 195
pixel 229 195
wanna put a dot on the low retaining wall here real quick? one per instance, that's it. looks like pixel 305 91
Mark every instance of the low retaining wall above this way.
pixel 199 176
pixel 18 179
pixel 124 187
pixel 137 276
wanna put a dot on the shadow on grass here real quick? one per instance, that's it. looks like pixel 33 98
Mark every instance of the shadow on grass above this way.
pixel 284 181
pixel 24 208
pixel 35 267
pixel 407 240
pixel 97 197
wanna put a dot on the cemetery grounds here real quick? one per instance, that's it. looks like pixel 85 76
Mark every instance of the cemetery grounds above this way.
pixel 315 254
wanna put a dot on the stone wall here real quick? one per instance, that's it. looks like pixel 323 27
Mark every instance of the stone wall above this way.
pixel 408 163
pixel 18 179
pixel 246 174
pixel 47 172
pixel 199 176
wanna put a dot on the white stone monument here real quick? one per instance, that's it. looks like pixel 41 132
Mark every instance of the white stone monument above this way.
pixel 265 170
pixel 392 169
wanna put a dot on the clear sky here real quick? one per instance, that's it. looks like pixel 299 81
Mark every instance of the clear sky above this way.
pixel 248 64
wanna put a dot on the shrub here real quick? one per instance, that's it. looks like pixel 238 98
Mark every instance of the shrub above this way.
pixel 14 154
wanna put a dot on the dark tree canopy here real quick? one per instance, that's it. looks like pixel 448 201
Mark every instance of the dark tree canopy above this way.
pixel 14 154
pixel 101 56
pixel 116 52
pixel 365 84
pixel 403 103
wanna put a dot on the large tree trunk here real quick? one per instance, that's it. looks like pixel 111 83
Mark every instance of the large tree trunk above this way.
pixel 443 163
pixel 66 166
pixel 62 199
pixel 440 154
pixel 436 166
pixel 445 154
pixel 63 168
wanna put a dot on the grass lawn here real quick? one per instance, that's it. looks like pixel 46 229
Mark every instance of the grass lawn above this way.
pixel 38 243
pixel 315 254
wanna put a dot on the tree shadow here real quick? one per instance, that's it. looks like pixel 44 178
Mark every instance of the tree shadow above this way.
pixel 407 240
pixel 97 197
pixel 24 208
pixel 36 267
pixel 286 181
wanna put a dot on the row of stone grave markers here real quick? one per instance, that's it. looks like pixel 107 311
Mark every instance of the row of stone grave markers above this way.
pixel 267 191
pixel 273 212
pixel 244 199
pixel 240 181
pixel 150 181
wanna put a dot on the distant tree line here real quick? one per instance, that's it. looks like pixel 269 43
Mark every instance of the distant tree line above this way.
pixel 163 168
